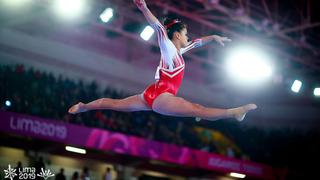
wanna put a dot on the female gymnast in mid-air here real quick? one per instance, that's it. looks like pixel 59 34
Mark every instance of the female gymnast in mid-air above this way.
pixel 161 96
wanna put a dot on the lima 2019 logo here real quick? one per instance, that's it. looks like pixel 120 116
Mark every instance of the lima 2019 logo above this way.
pixel 26 173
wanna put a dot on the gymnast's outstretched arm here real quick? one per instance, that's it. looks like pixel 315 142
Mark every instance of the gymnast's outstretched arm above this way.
pixel 204 40
pixel 141 4
pixel 219 39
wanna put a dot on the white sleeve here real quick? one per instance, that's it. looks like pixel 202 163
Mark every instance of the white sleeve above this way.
pixel 193 44
pixel 167 49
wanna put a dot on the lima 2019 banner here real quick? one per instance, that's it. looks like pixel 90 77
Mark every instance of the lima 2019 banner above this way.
pixel 57 131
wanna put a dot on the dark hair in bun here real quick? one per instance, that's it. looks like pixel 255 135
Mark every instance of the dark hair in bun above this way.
pixel 173 25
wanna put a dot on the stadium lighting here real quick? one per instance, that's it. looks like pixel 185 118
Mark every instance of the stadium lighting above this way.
pixel 70 8
pixel 296 86
pixel 249 64
pixel 106 15
pixel 316 92
pixel 237 175
pixel 8 103
pixel 147 33
pixel 76 150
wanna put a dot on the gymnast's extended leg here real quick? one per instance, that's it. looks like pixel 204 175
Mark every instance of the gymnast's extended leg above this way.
pixel 129 104
pixel 169 104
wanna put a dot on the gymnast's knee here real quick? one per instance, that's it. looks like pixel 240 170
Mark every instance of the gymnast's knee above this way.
pixel 197 109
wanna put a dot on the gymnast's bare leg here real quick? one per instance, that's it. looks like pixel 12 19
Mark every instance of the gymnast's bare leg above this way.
pixel 166 104
pixel 129 104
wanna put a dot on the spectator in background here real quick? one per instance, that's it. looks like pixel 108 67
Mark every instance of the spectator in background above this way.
pixel 85 174
pixel 108 174
pixel 38 165
pixel 18 168
pixel 19 165
pixel 75 176
pixel 61 176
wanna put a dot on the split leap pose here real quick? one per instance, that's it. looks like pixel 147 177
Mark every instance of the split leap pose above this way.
pixel 161 96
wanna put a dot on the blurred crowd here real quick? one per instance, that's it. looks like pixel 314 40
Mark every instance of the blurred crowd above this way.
pixel 49 96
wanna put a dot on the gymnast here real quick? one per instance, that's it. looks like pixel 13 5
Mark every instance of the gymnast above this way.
pixel 161 95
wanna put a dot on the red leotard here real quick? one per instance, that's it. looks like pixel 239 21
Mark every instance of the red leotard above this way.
pixel 170 71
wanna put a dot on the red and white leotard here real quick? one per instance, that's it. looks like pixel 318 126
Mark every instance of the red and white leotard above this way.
pixel 170 71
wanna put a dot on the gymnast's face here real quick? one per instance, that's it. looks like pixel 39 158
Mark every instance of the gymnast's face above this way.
pixel 183 37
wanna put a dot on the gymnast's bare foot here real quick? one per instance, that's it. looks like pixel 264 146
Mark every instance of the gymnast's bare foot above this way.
pixel 78 108
pixel 240 112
